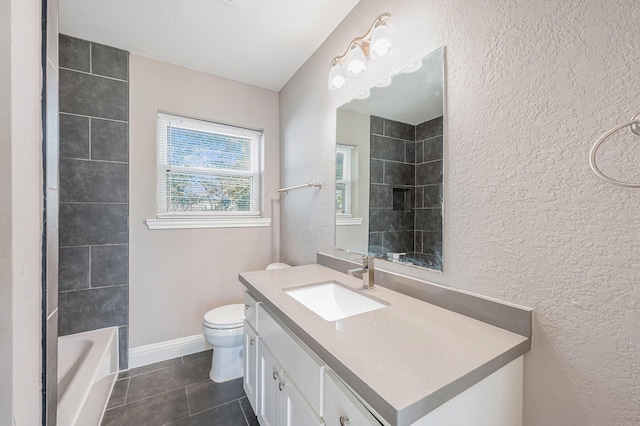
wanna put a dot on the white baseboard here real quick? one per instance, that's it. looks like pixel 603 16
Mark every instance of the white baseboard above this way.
pixel 162 351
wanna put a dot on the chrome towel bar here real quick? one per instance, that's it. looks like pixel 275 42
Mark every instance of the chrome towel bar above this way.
pixel 634 126
pixel 317 184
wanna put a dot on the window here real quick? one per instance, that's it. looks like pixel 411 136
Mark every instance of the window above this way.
pixel 343 179
pixel 206 171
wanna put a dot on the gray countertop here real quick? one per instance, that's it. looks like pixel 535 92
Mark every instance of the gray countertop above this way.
pixel 405 359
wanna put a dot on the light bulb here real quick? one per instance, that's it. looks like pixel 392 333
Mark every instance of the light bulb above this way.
pixel 364 95
pixel 381 45
pixel 356 62
pixel 385 82
pixel 413 67
pixel 337 79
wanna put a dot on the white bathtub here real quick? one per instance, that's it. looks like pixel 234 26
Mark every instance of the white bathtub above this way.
pixel 87 371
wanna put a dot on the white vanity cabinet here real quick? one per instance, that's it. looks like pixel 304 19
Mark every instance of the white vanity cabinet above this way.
pixel 289 385
pixel 280 403
pixel 250 359
pixel 250 351
pixel 341 406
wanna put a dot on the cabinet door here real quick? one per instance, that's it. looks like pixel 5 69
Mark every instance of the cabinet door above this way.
pixel 250 358
pixel 341 406
pixel 269 398
pixel 296 410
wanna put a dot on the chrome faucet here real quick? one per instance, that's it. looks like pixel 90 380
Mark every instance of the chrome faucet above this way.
pixel 367 272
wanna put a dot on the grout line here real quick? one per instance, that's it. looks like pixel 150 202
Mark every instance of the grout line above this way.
pixel 94 75
pixel 93 116
pixel 95 288
pixel 90 119
pixel 93 160
pixel 220 405
pixel 126 394
pixel 188 403
pixel 89 277
pixel 243 413
pixel 90 58
pixel 92 202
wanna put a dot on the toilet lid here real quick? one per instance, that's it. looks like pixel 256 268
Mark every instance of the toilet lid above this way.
pixel 225 316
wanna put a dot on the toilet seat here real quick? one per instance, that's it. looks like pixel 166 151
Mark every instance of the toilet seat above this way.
pixel 225 317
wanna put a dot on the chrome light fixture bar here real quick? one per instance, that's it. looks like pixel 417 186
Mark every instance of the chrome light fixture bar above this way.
pixel 376 45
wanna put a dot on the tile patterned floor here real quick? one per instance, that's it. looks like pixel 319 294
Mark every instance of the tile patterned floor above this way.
pixel 177 392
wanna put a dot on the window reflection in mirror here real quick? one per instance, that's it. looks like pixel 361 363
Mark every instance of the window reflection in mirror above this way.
pixel 396 138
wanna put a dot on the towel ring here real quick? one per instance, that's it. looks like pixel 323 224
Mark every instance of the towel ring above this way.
pixel 634 126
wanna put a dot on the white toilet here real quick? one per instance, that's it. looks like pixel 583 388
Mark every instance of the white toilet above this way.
pixel 223 328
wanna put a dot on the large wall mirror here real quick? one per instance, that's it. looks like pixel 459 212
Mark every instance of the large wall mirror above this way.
pixel 389 167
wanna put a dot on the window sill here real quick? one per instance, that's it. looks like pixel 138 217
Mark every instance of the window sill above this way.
pixel 254 222
pixel 348 221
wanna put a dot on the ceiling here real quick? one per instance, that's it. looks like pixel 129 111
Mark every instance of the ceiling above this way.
pixel 258 42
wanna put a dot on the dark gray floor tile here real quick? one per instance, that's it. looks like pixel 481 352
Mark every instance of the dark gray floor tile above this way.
pixel 109 140
pixel 192 357
pixel 229 414
pixel 74 136
pixel 146 385
pixel 158 410
pixel 118 394
pixel 208 394
pixel 73 268
pixel 109 61
pixel 109 265
pixel 93 224
pixel 94 96
pixel 249 414
pixel 151 367
pixel 74 53
pixel 411 152
pixel 419 152
pixel 90 309
pixel 93 181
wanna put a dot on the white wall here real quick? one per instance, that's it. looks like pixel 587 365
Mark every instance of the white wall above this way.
pixel 354 129
pixel 20 212
pixel 530 87
pixel 177 275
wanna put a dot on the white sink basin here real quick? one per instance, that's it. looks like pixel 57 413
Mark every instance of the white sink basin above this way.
pixel 333 300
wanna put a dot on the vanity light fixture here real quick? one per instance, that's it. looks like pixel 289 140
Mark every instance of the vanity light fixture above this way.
pixel 375 45
pixel 364 95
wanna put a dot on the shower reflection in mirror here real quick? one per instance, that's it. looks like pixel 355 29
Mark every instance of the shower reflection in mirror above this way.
pixel 389 167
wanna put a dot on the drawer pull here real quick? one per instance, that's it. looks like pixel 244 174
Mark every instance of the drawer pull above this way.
pixel 275 375
pixel 247 306
pixel 281 386
pixel 344 421
pixel 252 341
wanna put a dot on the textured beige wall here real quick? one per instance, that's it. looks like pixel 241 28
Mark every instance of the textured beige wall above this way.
pixel 177 275
pixel 20 212
pixel 530 87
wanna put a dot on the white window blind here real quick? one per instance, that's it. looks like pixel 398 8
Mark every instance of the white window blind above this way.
pixel 207 169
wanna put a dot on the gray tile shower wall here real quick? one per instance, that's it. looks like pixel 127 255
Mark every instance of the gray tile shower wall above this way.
pixel 405 197
pixel 428 206
pixel 94 189
pixel 392 188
